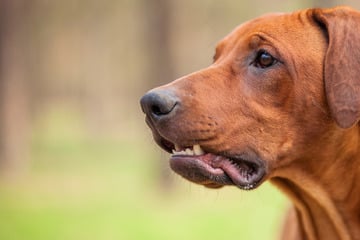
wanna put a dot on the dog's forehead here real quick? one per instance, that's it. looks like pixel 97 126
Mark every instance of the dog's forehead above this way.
pixel 273 24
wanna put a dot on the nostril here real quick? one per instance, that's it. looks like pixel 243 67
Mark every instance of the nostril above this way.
pixel 161 110
pixel 156 110
pixel 158 103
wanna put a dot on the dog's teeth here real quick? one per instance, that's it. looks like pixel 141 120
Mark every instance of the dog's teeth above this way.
pixel 198 150
pixel 177 148
pixel 182 153
pixel 189 152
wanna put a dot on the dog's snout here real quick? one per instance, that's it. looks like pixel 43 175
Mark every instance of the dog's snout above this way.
pixel 158 103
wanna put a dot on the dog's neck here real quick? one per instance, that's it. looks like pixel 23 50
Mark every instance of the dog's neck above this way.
pixel 326 189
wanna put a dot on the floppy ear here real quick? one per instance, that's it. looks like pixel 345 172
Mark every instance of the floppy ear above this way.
pixel 342 62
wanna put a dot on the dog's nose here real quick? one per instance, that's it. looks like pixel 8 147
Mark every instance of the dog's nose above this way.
pixel 158 103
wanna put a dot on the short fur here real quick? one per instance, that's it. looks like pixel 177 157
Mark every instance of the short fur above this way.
pixel 299 115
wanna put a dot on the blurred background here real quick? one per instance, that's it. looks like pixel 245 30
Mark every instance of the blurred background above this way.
pixel 76 159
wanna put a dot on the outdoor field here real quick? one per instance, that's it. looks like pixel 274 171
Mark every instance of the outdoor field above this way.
pixel 97 189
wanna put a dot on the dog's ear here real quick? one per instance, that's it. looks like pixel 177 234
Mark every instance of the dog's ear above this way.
pixel 342 62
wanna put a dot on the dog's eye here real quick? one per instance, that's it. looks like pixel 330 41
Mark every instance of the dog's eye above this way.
pixel 264 59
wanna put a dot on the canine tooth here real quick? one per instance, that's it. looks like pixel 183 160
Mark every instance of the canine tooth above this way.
pixel 189 151
pixel 198 150
pixel 178 152
pixel 177 148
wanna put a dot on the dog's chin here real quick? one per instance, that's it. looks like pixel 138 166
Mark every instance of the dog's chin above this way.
pixel 213 170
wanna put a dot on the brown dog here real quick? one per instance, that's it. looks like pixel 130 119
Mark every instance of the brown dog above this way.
pixel 281 102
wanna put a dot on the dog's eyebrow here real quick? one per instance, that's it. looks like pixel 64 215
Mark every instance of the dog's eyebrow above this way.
pixel 255 41
pixel 259 38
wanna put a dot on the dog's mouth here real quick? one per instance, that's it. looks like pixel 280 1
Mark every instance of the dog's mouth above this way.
pixel 213 170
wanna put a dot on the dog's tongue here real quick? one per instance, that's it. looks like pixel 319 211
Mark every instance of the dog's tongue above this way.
pixel 211 170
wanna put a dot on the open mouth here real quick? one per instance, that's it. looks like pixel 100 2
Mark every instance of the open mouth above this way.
pixel 215 170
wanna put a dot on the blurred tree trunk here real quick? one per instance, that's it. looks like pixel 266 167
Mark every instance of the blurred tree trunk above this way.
pixel 13 90
pixel 158 22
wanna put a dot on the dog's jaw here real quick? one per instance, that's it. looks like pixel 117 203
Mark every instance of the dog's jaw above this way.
pixel 216 170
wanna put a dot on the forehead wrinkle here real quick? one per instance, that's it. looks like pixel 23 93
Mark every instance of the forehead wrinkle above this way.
pixel 267 27
pixel 249 28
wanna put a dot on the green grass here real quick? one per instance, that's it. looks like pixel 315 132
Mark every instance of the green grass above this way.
pixel 79 187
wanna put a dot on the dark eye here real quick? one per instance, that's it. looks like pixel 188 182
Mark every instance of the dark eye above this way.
pixel 264 59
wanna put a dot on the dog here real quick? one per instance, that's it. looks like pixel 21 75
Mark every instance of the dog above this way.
pixel 280 102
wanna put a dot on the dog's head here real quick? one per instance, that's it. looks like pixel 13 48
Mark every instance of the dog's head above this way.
pixel 275 87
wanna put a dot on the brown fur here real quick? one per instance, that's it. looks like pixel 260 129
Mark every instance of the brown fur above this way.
pixel 300 115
